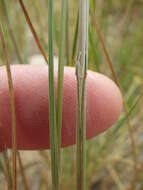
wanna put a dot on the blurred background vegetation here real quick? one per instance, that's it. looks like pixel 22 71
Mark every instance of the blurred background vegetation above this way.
pixel 110 163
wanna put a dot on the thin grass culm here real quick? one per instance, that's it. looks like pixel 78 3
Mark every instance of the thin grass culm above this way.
pixel 52 111
pixel 61 70
pixel 81 69
pixel 12 106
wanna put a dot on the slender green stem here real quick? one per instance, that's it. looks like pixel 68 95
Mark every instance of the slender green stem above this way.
pixel 81 69
pixel 52 112
pixel 12 106
pixel 61 70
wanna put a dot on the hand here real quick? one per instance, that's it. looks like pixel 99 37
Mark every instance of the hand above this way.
pixel 30 83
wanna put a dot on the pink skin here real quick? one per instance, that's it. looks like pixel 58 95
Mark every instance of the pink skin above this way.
pixel 104 103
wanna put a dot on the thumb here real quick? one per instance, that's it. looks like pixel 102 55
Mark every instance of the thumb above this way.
pixel 30 83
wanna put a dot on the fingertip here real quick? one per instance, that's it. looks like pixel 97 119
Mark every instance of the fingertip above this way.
pixel 104 102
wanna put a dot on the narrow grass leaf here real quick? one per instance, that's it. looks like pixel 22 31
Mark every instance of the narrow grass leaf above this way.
pixel 61 70
pixel 52 112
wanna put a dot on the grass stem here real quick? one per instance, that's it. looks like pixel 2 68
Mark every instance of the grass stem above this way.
pixel 12 106
pixel 52 112
pixel 81 69
pixel 61 70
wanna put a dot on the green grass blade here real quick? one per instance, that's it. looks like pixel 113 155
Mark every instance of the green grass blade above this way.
pixel 52 112
pixel 61 70
pixel 82 61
